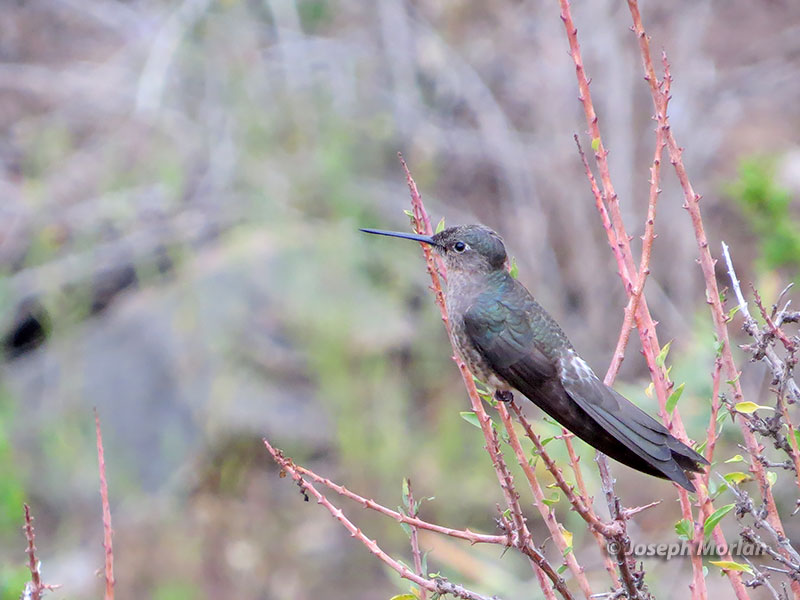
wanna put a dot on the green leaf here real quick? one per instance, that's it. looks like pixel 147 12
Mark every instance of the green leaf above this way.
pixel 595 143
pixel 715 518
pixel 730 565
pixel 797 437
pixel 409 214
pixel 736 477
pixel 719 346
pixel 685 529
pixel 470 417
pixel 440 226
pixel 407 528
pixel 552 501
pixel 514 270
pixel 561 568
pixel 480 386
pixel 772 477
pixel 735 459
pixel 405 492
pixel 662 356
pixel 674 397
pixel 720 487
pixel 734 380
pixel 405 597
pixel 702 447
pixel 750 407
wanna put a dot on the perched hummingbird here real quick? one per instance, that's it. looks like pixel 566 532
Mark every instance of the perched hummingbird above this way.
pixel 509 341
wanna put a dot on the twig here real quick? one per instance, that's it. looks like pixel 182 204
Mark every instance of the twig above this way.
pixel 548 515
pixel 711 434
pixel 760 579
pixel 780 374
pixel 692 204
pixel 773 520
pixel 437 585
pixel 794 451
pixel 647 247
pixel 584 510
pixel 464 534
pixel 621 543
pixel 574 460
pixel 612 219
pixel 788 556
pixel 660 100
pixel 413 510
pixel 34 588
pixel 107 531
pixel 774 330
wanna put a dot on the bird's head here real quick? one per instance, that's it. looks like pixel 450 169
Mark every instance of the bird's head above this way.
pixel 469 248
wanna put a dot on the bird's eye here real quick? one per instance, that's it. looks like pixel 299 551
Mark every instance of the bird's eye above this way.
pixel 459 246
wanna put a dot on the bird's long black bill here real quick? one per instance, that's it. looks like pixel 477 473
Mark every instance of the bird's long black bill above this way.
pixel 399 234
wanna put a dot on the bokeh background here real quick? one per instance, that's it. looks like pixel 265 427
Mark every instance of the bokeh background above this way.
pixel 182 184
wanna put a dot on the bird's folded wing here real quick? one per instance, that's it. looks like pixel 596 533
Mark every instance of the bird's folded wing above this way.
pixel 505 339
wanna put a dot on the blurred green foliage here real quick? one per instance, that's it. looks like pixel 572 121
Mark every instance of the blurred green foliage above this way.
pixel 11 483
pixel 12 496
pixel 176 590
pixel 12 581
pixel 767 207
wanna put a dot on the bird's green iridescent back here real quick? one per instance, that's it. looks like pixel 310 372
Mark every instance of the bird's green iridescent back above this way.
pixel 496 310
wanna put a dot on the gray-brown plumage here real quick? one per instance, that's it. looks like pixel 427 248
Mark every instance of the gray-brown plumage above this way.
pixel 509 341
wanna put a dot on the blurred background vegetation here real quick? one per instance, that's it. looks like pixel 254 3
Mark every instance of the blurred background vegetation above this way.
pixel 182 184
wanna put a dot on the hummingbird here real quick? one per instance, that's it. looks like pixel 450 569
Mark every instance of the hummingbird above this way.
pixel 508 341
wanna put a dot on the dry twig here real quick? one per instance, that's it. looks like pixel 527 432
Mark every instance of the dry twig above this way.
pixel 107 531
pixel 34 589
pixel 438 585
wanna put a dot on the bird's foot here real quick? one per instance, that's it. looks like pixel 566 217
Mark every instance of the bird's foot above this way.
pixel 504 396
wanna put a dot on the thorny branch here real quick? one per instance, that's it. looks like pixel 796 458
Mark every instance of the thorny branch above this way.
pixel 437 585
pixel 772 427
pixel 787 556
pixel 34 589
pixel 780 370
pixel 413 510
pixel 692 205
pixel 608 207
pixel 548 515
pixel 464 534
pixel 107 531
